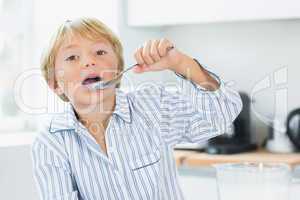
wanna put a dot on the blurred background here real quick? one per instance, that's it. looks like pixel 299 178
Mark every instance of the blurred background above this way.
pixel 252 45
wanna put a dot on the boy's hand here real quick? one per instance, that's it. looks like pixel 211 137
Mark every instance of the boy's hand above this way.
pixel 157 55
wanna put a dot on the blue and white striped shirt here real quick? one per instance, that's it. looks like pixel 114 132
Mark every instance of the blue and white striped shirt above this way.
pixel 146 124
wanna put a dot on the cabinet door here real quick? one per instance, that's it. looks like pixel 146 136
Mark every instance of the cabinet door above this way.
pixel 172 12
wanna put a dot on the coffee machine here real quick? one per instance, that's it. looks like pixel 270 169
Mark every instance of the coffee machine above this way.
pixel 238 138
pixel 293 128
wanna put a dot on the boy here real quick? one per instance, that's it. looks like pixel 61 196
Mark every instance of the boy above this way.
pixel 112 145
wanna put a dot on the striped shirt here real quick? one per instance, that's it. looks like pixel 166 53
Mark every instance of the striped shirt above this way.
pixel 145 126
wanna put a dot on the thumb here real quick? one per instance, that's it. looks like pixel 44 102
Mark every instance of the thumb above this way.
pixel 141 68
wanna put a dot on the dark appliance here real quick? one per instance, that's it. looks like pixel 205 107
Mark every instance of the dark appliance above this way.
pixel 238 139
pixel 293 127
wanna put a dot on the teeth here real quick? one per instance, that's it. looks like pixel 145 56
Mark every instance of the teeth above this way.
pixel 91 80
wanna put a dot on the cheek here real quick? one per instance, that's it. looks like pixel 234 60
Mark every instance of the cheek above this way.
pixel 59 77
pixel 109 73
pixel 66 79
pixel 110 70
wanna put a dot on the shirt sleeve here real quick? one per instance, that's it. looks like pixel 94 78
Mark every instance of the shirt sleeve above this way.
pixel 51 172
pixel 193 114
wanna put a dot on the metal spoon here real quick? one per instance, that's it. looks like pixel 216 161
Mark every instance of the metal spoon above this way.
pixel 106 84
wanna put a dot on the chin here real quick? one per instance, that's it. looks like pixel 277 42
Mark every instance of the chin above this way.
pixel 87 97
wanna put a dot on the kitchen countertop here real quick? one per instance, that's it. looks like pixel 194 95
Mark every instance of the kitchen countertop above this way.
pixel 196 159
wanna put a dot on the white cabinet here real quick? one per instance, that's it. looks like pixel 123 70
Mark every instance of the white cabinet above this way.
pixel 171 12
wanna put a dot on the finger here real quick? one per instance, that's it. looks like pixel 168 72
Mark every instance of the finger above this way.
pixel 138 69
pixel 146 53
pixel 141 68
pixel 138 56
pixel 164 46
pixel 154 51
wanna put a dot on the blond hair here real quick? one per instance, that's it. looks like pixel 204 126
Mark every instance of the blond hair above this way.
pixel 89 28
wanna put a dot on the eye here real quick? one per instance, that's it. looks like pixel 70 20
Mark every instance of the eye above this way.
pixel 72 58
pixel 101 52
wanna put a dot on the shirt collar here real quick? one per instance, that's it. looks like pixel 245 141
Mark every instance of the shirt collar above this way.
pixel 122 108
pixel 68 121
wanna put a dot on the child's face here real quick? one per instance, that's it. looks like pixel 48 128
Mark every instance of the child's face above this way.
pixel 79 59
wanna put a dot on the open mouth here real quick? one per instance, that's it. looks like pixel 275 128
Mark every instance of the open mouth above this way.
pixel 90 80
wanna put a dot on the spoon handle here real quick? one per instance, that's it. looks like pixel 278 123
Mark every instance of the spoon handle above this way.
pixel 129 68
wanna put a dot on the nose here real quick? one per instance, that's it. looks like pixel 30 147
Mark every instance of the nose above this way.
pixel 88 61
pixel 89 64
